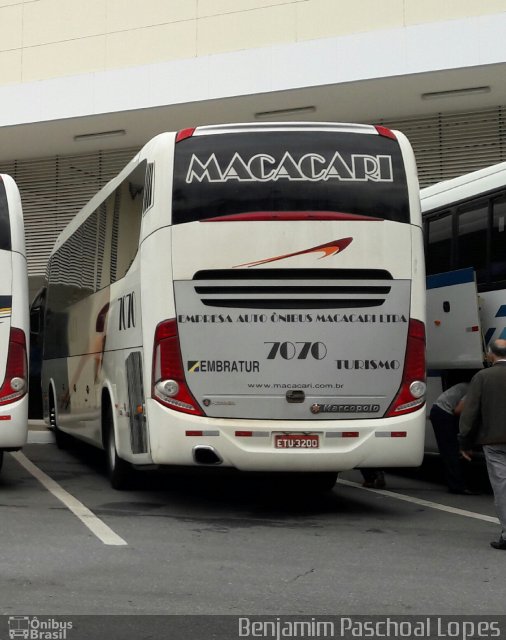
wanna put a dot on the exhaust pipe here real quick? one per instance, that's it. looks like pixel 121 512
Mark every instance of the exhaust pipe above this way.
pixel 204 454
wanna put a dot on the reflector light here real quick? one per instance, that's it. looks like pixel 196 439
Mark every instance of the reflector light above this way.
pixel 385 132
pixel 194 433
pixel 398 434
pixel 414 372
pixel 5 418
pixel 244 434
pixel 184 134
pixel 168 367
pixel 15 385
pixel 350 434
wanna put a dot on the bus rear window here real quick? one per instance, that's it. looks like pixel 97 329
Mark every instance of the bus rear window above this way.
pixel 5 225
pixel 312 171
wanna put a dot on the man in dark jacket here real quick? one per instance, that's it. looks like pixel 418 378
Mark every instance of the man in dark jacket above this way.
pixel 483 421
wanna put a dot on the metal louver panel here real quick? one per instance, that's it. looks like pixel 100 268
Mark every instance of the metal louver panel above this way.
pixel 54 189
pixel 449 145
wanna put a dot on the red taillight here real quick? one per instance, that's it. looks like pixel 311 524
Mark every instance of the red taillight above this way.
pixel 385 132
pixel 168 380
pixel 15 385
pixel 184 134
pixel 411 395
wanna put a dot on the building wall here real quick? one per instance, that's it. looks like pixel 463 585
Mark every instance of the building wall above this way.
pixel 43 39
pixel 67 59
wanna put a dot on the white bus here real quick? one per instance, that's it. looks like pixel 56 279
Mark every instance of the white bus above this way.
pixel 14 323
pixel 465 231
pixel 245 295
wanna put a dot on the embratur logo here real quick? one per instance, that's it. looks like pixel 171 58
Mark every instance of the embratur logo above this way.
pixel 223 366
pixel 193 365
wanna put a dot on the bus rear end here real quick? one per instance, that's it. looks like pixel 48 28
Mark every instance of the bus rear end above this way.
pixel 298 338
pixel 13 320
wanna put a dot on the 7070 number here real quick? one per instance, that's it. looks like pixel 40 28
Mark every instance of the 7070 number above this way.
pixel 298 350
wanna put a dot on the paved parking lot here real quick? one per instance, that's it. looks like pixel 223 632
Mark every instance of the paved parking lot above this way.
pixel 178 544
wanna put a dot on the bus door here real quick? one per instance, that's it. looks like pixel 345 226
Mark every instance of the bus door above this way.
pixel 454 335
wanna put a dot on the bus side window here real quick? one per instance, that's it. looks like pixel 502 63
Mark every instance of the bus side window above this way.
pixel 103 277
pixel 498 239
pixel 37 308
pixel 85 264
pixel 128 217
pixel 472 239
pixel 439 254
pixel 73 267
pixel 35 321
pixel 119 225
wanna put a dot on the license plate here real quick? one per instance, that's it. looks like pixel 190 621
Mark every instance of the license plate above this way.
pixel 296 441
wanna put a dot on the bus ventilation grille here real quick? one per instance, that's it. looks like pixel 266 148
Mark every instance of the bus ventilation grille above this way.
pixel 293 288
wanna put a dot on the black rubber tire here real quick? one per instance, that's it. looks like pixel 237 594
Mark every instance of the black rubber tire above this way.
pixel 313 482
pixel 321 482
pixel 118 470
pixel 294 484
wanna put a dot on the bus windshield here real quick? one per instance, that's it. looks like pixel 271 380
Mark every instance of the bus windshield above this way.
pixel 285 171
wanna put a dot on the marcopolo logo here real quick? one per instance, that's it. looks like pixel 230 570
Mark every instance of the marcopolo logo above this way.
pixel 34 628
pixel 223 366
pixel 207 402
pixel 345 408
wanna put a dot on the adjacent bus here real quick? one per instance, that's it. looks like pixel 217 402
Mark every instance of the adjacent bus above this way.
pixel 465 226
pixel 14 323
pixel 247 296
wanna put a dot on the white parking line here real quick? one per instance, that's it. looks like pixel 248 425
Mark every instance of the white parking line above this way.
pixel 423 503
pixel 87 517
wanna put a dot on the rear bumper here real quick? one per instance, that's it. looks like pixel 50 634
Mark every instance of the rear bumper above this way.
pixel 14 424
pixel 343 444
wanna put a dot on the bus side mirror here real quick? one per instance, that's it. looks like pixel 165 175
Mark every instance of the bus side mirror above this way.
pixel 35 323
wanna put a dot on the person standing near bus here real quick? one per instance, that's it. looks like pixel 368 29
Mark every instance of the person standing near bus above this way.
pixel 483 422
pixel 444 416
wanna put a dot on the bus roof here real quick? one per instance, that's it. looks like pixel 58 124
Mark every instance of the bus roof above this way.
pixel 450 192
pixel 162 138
pixel 342 127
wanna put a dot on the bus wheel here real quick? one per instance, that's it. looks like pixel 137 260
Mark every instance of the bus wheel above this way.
pixel 118 470
pixel 61 438
pixel 316 482
pixel 304 483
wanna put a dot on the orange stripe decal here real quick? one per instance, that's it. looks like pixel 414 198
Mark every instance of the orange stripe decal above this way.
pixel 329 249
